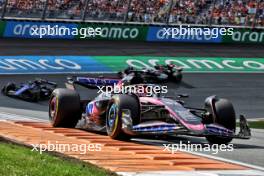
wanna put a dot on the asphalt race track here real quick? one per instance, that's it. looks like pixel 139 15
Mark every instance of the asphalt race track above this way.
pixel 108 48
pixel 244 90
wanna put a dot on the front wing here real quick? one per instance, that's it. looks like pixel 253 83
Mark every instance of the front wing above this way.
pixel 161 128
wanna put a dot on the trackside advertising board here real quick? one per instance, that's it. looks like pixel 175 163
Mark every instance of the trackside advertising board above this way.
pixel 245 36
pixel 129 32
pixel 113 64
pixel 2 28
pixel 18 29
pixel 117 32
pixel 189 64
pixel 157 34
pixel 50 64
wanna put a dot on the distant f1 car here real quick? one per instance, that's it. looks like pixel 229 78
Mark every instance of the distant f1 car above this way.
pixel 160 73
pixel 37 90
pixel 123 115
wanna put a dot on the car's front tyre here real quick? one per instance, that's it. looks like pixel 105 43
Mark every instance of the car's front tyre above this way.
pixel 114 115
pixel 224 115
pixel 8 87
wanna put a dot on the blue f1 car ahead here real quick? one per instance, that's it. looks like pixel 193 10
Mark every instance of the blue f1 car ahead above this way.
pixel 123 115
pixel 37 90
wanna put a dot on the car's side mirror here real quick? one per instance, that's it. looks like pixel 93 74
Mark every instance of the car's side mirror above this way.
pixel 183 96
pixel 70 78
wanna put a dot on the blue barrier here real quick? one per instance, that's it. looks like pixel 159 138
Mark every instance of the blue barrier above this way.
pixel 20 29
pixel 157 34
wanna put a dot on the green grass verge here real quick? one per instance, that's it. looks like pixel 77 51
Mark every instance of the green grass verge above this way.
pixel 255 124
pixel 18 160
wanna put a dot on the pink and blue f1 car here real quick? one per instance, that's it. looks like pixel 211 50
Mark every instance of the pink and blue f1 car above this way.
pixel 125 115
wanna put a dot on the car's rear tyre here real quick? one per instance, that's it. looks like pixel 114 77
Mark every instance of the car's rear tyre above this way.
pixel 177 77
pixel 225 116
pixel 31 95
pixel 64 108
pixel 114 115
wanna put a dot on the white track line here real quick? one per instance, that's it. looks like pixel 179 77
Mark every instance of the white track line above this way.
pixel 228 160
pixel 9 116
pixel 195 173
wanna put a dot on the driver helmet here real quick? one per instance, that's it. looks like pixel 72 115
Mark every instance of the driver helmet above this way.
pixel 128 69
pixel 158 67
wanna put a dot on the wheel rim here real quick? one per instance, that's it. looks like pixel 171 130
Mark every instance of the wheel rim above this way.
pixel 112 117
pixel 53 108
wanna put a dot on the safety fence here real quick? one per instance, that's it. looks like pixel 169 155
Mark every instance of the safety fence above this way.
pixel 208 12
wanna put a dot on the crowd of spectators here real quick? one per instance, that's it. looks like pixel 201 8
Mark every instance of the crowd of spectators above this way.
pixel 1 5
pixel 107 9
pixel 238 12
pixel 24 8
pixel 189 11
pixel 148 11
pixel 65 8
pixel 221 12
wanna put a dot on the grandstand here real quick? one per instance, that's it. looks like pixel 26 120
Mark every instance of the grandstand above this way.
pixel 207 12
